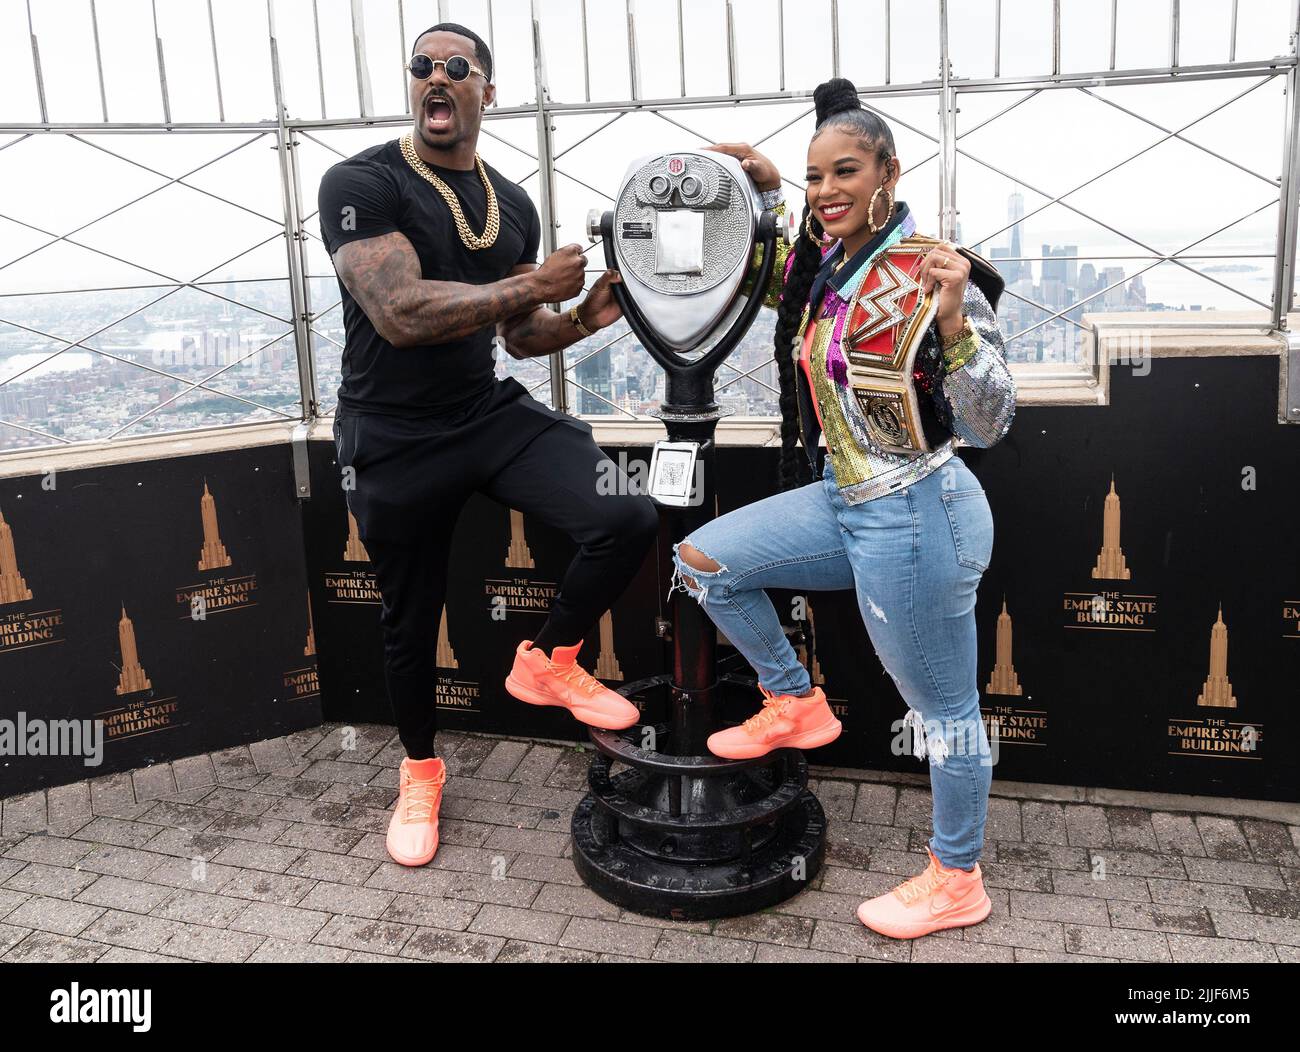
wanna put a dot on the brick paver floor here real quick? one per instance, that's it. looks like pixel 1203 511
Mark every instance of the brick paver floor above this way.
pixel 275 852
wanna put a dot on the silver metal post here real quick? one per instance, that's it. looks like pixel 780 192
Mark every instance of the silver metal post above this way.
pixel 99 61
pixel 1173 35
pixel 681 46
pixel 216 62
pixel 162 66
pixel 401 41
pixel 835 39
pixel 365 102
pixel 586 57
pixel 36 65
pixel 295 244
pixel 546 188
pixel 1114 18
pixel 731 49
pixel 1284 272
pixel 888 44
pixel 947 133
pixel 1056 37
pixel 997 38
pixel 633 65
pixel 320 61
pixel 780 40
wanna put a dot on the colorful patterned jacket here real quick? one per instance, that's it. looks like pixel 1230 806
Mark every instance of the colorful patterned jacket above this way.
pixel 892 405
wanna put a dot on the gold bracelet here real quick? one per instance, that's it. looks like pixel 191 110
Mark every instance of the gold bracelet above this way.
pixel 577 322
pixel 951 341
pixel 780 252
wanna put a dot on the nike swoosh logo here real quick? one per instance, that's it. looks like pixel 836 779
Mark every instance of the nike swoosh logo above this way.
pixel 943 902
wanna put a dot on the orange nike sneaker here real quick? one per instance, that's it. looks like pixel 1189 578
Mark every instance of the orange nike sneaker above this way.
pixel 560 680
pixel 936 899
pixel 413 830
pixel 786 722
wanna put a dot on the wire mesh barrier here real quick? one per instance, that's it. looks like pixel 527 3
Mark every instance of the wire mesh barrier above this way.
pixel 162 269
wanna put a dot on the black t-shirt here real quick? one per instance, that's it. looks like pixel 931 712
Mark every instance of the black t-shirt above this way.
pixel 377 192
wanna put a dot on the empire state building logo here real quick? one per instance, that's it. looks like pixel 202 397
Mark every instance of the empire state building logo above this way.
pixel 13 589
pixel 518 557
pixel 446 657
pixel 1217 691
pixel 808 651
pixel 520 593
pixel 607 666
pixel 1009 722
pixel 1004 679
pixel 1216 733
pixel 355 551
pixel 132 677
pixel 213 556
pixel 449 692
pixel 1110 560
pixel 310 649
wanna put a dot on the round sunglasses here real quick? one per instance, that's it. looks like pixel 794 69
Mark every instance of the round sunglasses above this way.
pixel 458 67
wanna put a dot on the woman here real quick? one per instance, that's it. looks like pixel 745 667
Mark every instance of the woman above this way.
pixel 885 345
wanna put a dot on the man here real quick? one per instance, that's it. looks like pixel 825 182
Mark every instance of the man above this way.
pixel 433 249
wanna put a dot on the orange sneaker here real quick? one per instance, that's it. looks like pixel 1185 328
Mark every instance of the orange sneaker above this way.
pixel 560 680
pixel 413 829
pixel 786 722
pixel 936 899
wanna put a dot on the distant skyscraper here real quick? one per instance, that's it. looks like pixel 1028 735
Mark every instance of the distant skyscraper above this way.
pixel 1087 281
pixel 1015 213
pixel 1137 291
pixel 594 375
pixel 1061 263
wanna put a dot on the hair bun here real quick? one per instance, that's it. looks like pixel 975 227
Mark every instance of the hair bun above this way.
pixel 835 96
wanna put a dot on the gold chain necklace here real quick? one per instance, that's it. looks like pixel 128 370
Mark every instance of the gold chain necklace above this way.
pixel 467 236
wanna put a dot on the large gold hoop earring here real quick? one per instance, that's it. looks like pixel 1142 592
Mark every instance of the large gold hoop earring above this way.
pixel 807 226
pixel 871 209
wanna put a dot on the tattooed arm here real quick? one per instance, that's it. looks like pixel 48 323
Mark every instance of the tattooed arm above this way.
pixel 536 332
pixel 542 331
pixel 383 275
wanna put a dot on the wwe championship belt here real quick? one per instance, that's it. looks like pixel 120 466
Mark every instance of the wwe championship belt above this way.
pixel 887 319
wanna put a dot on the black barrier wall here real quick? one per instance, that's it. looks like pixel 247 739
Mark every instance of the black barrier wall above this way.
pixel 1147 638
pixel 167 598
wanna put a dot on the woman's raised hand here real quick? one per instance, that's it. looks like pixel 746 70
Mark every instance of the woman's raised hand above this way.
pixel 756 166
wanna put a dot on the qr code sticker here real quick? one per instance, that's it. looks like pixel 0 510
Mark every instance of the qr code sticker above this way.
pixel 672 475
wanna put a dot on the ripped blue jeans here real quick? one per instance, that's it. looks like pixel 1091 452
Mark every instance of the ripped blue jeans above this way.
pixel 915 558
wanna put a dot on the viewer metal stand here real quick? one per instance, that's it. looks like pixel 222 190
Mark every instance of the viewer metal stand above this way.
pixel 681 833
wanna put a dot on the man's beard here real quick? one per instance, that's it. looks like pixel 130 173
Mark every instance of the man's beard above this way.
pixel 443 142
